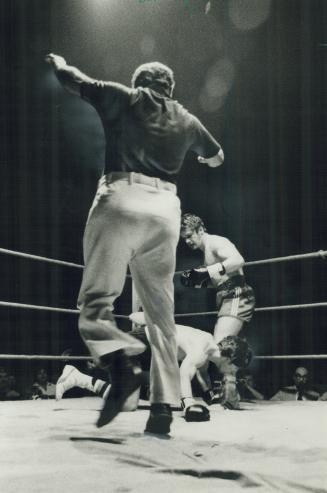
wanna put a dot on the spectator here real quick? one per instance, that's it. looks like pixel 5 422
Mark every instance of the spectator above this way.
pixel 7 384
pixel 42 388
pixel 246 387
pixel 302 390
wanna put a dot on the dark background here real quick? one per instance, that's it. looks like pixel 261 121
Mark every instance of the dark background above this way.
pixel 254 71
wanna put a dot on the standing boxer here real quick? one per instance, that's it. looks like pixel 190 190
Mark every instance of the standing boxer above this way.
pixel 223 271
pixel 135 221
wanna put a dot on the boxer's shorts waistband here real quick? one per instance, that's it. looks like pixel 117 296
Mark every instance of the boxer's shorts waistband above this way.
pixel 132 177
pixel 233 282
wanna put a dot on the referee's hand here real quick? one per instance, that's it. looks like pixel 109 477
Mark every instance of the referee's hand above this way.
pixel 56 61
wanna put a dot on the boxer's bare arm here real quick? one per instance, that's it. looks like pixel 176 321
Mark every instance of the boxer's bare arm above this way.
pixel 187 372
pixel 188 369
pixel 224 364
pixel 203 377
pixel 230 399
pixel 215 161
pixel 222 248
pixel 71 78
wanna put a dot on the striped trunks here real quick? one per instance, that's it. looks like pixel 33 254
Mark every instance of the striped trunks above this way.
pixel 236 299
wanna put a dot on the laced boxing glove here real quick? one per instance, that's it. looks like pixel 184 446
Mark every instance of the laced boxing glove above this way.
pixel 208 396
pixel 196 278
pixel 231 397
pixel 211 397
pixel 203 277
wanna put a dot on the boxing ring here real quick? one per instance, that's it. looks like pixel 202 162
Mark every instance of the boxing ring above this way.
pixel 267 446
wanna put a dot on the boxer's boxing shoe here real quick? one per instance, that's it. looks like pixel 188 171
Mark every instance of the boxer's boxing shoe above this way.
pixel 197 413
pixel 126 378
pixel 69 379
pixel 159 420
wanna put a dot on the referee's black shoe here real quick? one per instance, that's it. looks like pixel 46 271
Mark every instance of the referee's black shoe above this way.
pixel 125 378
pixel 159 420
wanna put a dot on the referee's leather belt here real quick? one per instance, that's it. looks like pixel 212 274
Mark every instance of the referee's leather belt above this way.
pixel 132 177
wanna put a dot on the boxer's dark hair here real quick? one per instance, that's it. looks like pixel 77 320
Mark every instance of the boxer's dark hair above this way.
pixel 193 222
pixel 154 75
pixel 237 349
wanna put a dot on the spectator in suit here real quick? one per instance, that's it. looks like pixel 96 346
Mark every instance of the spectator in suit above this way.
pixel 302 390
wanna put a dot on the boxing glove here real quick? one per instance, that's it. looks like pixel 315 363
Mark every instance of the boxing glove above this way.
pixel 196 278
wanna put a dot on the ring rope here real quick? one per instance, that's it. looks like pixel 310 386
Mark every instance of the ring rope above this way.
pixel 89 358
pixel 290 307
pixel 45 259
pixel 38 307
pixel 261 309
pixel 320 254
pixel 46 357
pixel 177 315
pixel 42 259
pixel 47 308
pixel 293 356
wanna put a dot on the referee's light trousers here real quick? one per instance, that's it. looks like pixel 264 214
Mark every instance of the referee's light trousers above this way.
pixel 137 225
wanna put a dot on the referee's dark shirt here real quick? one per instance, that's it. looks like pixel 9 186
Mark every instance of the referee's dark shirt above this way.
pixel 146 132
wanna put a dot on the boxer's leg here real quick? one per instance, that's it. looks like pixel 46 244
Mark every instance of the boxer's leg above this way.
pixel 233 312
pixel 71 377
pixel 227 326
